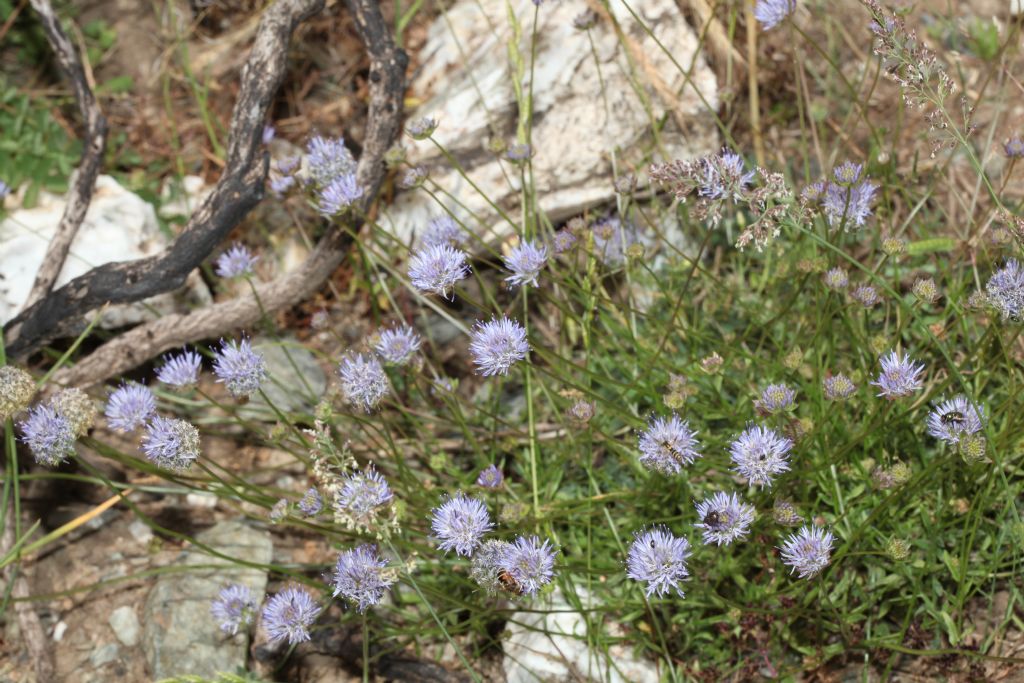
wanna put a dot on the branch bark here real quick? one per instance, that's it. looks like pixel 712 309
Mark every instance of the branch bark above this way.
pixel 238 190
pixel 387 89
pixel 84 180
pixel 32 634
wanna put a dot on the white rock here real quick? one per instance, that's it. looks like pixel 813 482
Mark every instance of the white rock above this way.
pixel 119 226
pixel 141 532
pixel 576 130
pixel 126 625
pixel 550 645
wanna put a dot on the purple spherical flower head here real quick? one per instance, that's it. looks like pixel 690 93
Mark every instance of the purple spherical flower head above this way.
pixel 239 367
pixel 759 454
pixel 900 376
pixel 359 577
pixel 170 443
pixel 1014 148
pixel 563 241
pixel 327 159
pixel 951 419
pixel 658 559
pixel 280 184
pixel 437 268
pixel 518 151
pixel 771 13
pixel 235 262
pixel 497 345
pixel 443 231
pixel 839 387
pixel 268 134
pixel 848 198
pixel 490 477
pixel 363 492
pixel 866 296
pixel 311 503
pixel 289 614
pixel 181 370
pixel 668 444
pixel 339 194
pixel 1005 290
pixel 49 435
pixel 460 523
pixel 525 260
pixel 234 608
pixel 836 279
pixel 129 406
pixel 528 563
pixel 363 381
pixel 807 551
pixel 723 518
pixel 612 239
pixel 398 344
pixel 724 176
pixel 776 398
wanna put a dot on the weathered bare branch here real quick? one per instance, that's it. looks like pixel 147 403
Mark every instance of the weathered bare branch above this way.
pixel 32 634
pixel 238 190
pixel 387 89
pixel 84 179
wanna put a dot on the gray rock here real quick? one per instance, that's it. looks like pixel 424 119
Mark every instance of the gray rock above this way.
pixel 119 226
pixel 295 383
pixel 179 635
pixel 125 625
pixel 104 655
pixel 550 646
pixel 583 114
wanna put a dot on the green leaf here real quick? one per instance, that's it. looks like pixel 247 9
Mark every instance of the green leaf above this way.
pixel 931 246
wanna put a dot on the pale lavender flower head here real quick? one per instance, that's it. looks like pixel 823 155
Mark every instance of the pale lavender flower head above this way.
pixel 724 176
pixel 490 477
pixel 529 563
pixel 1005 290
pixel 360 577
pixel 658 558
pixel 771 13
pixel 268 134
pixel 838 387
pixel 836 279
pixel 900 376
pixel 237 261
pixel 339 194
pixel 280 184
pixel 279 511
pixel 807 551
pixel 723 518
pixel 181 370
pixel 1014 148
pixel 398 344
pixel 563 241
pixel 612 240
pixel 865 295
pixel 848 199
pixel 363 493
pixel 953 418
pixel 171 443
pixel 443 230
pixel 129 406
pixel 327 159
pixel 240 368
pixel 49 435
pixel 286 166
pixel 311 503
pixel 460 524
pixel 422 128
pixel 5 190
pixel 436 269
pixel 363 381
pixel 525 260
pixel 668 444
pixel 760 454
pixel 776 398
pixel 497 345
pixel 518 152
pixel 288 616
pixel 234 608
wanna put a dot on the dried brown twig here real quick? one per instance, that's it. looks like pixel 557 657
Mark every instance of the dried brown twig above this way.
pixel 237 191
pixel 84 179
pixel 387 89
